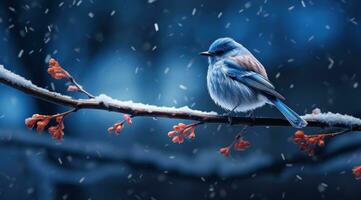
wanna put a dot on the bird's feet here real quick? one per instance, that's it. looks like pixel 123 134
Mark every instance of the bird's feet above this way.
pixel 251 114
pixel 229 115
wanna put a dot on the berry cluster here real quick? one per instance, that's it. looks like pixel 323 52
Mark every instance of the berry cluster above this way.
pixel 238 145
pixel 41 121
pixel 308 143
pixel 182 131
pixel 118 127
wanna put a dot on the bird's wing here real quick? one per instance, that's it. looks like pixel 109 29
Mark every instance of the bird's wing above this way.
pixel 249 78
pixel 249 62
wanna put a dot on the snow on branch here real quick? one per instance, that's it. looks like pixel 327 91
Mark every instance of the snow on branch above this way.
pixel 332 118
pixel 104 102
pixel 337 124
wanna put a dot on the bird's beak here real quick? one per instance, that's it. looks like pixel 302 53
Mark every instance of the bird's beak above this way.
pixel 206 53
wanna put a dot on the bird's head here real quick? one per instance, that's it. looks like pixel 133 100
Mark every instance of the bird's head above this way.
pixel 221 48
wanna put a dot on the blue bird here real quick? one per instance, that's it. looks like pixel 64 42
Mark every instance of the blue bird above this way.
pixel 238 82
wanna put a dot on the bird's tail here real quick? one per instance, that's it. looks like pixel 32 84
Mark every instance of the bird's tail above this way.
pixel 295 120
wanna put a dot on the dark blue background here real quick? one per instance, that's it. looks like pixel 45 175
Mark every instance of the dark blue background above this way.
pixel 122 55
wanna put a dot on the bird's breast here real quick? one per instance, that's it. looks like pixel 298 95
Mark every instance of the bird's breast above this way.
pixel 229 93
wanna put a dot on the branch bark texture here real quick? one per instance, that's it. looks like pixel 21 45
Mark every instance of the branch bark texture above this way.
pixel 136 109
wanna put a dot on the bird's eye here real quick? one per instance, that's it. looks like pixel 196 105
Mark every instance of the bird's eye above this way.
pixel 219 52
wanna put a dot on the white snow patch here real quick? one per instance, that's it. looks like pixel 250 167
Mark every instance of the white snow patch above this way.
pixel 194 11
pixel 183 87
pixel 331 62
pixel 21 81
pixel 14 78
pixel 156 27
pixel 149 108
pixel 332 118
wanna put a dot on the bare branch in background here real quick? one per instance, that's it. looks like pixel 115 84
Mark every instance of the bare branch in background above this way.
pixel 182 166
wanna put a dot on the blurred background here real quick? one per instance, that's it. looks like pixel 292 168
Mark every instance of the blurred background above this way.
pixel 147 51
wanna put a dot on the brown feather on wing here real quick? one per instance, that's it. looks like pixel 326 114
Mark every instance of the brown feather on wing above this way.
pixel 251 63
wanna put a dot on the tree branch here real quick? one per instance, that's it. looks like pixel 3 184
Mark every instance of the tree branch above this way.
pixel 307 143
pixel 104 102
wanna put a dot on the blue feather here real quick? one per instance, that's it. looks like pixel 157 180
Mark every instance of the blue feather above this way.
pixel 290 115
pixel 238 82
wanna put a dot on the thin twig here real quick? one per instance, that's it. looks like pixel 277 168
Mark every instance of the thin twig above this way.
pixel 65 113
pixel 80 88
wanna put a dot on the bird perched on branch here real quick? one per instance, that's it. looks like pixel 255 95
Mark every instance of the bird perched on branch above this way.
pixel 238 82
